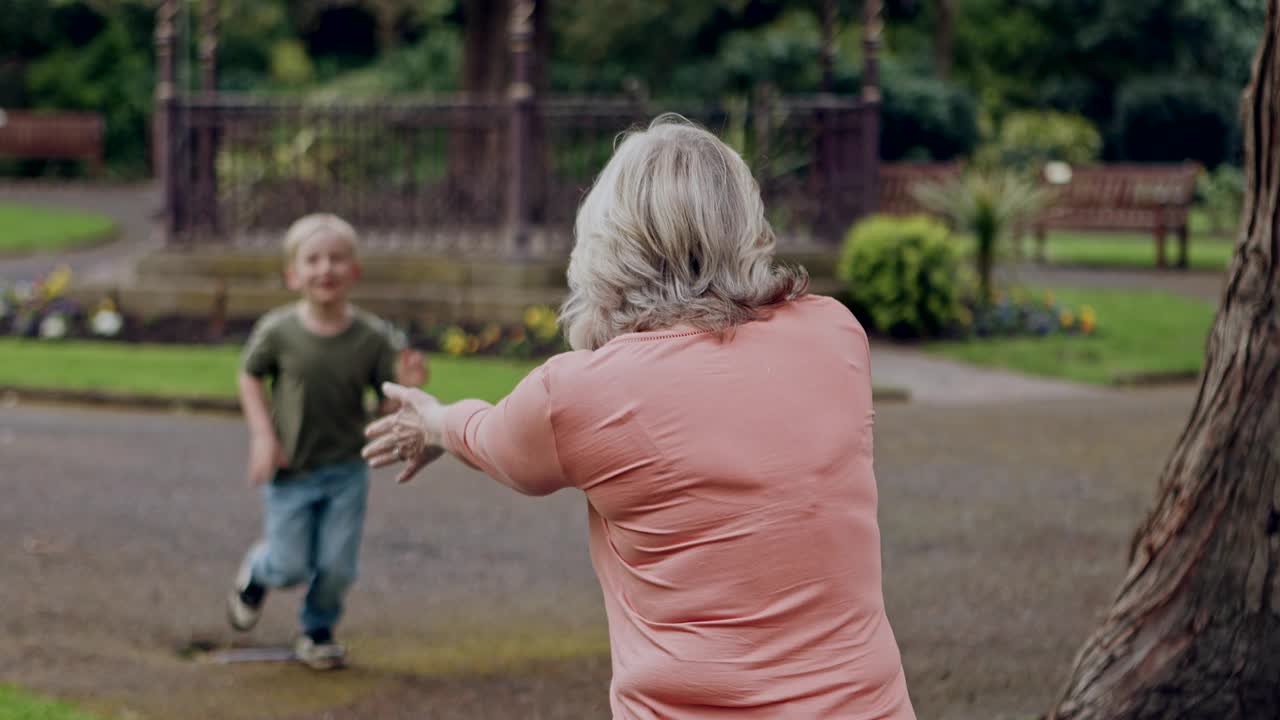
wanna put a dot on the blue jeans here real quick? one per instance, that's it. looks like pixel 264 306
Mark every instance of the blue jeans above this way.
pixel 314 521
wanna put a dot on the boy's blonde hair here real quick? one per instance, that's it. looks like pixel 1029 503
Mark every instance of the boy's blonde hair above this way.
pixel 309 226
pixel 672 233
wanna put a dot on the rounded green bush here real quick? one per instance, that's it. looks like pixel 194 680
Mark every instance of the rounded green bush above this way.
pixel 902 275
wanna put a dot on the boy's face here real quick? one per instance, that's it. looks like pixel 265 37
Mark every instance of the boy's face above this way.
pixel 323 269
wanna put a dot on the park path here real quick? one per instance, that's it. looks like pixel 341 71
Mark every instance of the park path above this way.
pixel 1006 503
pixel 1004 530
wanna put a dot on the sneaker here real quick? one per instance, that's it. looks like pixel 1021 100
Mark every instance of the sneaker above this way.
pixel 244 603
pixel 319 653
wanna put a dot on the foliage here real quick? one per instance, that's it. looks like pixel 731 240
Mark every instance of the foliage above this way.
pixel 988 206
pixel 1027 140
pixel 1080 56
pixel 924 118
pixel 1221 194
pixel 902 274
pixel 431 65
pixel 110 75
pixel 1023 313
pixel 41 309
pixel 1174 118
pixel 537 336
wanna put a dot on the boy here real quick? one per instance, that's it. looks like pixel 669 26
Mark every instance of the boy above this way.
pixel 321 355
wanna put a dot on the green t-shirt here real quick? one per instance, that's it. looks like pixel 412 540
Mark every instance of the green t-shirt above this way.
pixel 318 383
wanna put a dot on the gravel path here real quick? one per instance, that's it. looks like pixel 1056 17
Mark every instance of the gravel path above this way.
pixel 1004 525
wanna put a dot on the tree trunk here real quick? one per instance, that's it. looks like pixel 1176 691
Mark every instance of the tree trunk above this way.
pixel 943 39
pixel 476 151
pixel 1195 629
pixel 484 47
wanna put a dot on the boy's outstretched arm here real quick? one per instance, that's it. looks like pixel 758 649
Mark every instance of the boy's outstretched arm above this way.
pixel 264 447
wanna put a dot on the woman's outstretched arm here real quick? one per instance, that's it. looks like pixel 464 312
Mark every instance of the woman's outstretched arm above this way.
pixel 513 442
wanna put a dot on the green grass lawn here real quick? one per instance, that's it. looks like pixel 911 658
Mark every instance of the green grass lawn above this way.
pixel 19 705
pixel 25 229
pixel 1139 334
pixel 187 371
pixel 1130 250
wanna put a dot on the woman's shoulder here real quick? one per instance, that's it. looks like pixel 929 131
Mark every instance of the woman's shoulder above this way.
pixel 824 309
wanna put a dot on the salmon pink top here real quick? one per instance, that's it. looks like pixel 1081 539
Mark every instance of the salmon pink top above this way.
pixel 732 510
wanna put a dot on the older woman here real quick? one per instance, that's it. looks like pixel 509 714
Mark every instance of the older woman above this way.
pixel 718 420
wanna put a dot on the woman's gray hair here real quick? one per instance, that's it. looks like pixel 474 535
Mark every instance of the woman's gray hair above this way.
pixel 672 233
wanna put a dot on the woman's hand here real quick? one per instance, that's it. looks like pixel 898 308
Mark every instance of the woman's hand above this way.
pixel 412 434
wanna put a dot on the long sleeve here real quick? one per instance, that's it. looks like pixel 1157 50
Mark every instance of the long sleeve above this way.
pixel 513 442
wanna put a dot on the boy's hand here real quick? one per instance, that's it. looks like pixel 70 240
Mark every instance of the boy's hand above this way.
pixel 265 457
pixel 411 368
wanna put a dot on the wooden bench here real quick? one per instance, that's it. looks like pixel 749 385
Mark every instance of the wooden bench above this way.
pixel 1123 197
pixel 898 182
pixel 52 135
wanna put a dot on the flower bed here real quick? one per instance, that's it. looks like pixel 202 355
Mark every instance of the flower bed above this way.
pixel 41 309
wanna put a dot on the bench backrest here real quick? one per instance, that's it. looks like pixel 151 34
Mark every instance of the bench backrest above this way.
pixel 898 180
pixel 1123 197
pixel 26 134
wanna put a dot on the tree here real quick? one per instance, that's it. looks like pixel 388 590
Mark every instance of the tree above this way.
pixel 1195 626
pixel 943 36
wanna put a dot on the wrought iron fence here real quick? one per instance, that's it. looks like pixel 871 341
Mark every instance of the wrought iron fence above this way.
pixel 481 177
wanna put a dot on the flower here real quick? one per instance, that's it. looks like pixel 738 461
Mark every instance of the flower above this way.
pixel 490 335
pixel 1066 318
pixel 1088 320
pixel 54 326
pixel 454 341
pixel 541 321
pixel 106 322
pixel 1057 172
pixel 57 282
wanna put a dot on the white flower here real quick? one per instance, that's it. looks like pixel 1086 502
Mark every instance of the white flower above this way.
pixel 1057 172
pixel 53 326
pixel 106 323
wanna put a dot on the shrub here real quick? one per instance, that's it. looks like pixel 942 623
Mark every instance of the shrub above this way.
pixel 902 275
pixel 990 206
pixel 1221 194
pixel 1027 140
pixel 1175 118
pixel 925 118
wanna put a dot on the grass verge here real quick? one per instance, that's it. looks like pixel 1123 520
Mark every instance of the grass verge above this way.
pixel 1141 336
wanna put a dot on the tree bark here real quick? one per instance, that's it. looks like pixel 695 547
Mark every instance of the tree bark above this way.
pixel 484 47
pixel 1195 629
pixel 477 150
pixel 944 35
